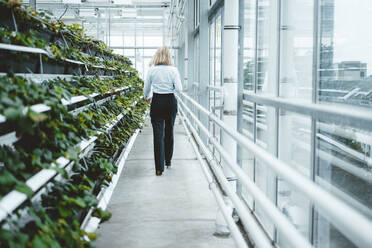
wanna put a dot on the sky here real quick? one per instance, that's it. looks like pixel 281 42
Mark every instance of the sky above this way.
pixel 353 32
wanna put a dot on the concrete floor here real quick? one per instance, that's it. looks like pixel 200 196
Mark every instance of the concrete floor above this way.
pixel 175 210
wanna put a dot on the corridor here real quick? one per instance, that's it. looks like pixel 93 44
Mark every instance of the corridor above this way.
pixel 173 210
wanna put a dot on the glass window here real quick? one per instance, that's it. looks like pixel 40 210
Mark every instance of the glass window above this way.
pixel 118 51
pixel 345 63
pixel 267 44
pixel 129 52
pixel 196 12
pixel 218 53
pixel 248 163
pixel 152 41
pixel 343 153
pixel 129 40
pixel 344 168
pixel 264 177
pixel 295 150
pixel 249 43
pixel 296 51
pixel 215 55
pixel 295 81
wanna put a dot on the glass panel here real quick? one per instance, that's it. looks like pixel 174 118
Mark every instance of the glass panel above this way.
pixel 267 45
pixel 212 41
pixel 116 40
pixel 295 150
pixel 149 52
pixel 344 168
pixel 128 40
pixel 344 153
pixel 196 12
pixel 152 41
pixel 266 81
pixel 345 63
pixel 264 177
pixel 139 39
pixel 218 54
pixel 218 97
pixel 296 54
pixel 248 84
pixel 249 43
pixel 118 51
pixel 129 52
pixel 196 69
pixel 326 235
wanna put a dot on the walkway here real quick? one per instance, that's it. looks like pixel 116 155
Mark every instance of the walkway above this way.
pixel 175 210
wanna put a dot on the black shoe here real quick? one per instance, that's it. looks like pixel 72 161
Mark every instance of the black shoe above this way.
pixel 159 172
pixel 168 164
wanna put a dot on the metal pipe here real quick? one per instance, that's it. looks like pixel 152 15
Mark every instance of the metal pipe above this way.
pixel 280 221
pixel 342 116
pixel 356 227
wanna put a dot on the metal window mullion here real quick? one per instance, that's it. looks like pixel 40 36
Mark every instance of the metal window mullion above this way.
pixel 313 160
pixel 255 92
pixel 222 71
pixel 214 21
pixel 277 110
pixel 240 90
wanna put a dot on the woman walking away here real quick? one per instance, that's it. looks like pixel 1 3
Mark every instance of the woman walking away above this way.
pixel 163 79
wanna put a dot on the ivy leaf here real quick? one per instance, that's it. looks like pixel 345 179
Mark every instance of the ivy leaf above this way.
pixel 102 214
pixel 12 113
pixel 80 202
pixel 23 188
pixel 63 211
pixel 38 242
pixel 37 117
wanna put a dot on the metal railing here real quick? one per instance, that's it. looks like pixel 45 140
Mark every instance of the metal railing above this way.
pixel 346 219
pixel 358 118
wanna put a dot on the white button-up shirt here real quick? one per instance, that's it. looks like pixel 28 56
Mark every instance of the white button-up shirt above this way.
pixel 162 79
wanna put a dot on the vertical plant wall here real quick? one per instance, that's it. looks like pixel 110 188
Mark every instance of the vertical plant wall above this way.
pixel 68 107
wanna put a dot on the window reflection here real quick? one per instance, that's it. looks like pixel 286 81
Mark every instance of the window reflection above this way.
pixel 215 71
pixel 296 51
pixel 337 157
pixel 344 153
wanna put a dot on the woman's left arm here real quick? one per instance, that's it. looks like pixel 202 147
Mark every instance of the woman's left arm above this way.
pixel 147 86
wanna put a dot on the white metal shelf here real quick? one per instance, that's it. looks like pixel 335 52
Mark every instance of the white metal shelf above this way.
pixel 25 49
pixel 14 199
pixel 90 223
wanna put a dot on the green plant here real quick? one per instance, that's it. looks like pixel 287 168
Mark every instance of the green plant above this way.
pixel 57 132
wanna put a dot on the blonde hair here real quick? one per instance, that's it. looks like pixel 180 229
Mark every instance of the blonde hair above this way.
pixel 162 57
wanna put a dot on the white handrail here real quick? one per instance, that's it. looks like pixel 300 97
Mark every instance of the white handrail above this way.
pixel 280 221
pixel 355 117
pixel 349 221
pixel 251 225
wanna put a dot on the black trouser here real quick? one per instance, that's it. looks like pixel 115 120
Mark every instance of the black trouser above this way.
pixel 163 113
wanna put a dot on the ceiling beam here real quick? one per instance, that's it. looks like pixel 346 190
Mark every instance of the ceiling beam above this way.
pixel 56 5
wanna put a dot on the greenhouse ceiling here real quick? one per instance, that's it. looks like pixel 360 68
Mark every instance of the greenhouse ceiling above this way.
pixel 115 18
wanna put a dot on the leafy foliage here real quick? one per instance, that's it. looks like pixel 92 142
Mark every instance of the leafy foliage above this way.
pixel 42 138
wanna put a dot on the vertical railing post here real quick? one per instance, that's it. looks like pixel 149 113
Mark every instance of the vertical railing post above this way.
pixel 204 63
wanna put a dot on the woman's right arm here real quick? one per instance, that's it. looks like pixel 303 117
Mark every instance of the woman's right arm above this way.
pixel 177 81
pixel 147 86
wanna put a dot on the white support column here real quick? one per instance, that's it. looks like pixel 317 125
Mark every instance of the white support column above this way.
pixel 230 74
pixel 230 44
